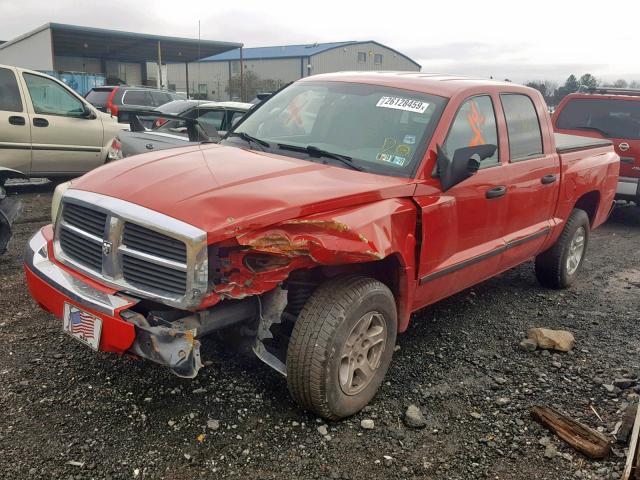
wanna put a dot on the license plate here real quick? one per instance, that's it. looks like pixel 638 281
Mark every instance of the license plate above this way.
pixel 82 325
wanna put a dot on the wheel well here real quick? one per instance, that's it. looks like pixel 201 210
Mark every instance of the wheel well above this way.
pixel 589 202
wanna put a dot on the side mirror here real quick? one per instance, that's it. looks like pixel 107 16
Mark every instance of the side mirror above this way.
pixel 88 113
pixel 465 163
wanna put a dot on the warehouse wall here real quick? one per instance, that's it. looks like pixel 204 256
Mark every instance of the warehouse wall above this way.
pixel 78 64
pixel 210 78
pixel 346 59
pixel 33 52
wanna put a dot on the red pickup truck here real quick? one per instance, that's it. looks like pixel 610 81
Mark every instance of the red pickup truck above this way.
pixel 325 218
pixel 612 113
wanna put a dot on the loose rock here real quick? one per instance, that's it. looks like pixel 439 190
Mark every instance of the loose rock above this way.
pixel 367 424
pixel 413 417
pixel 548 339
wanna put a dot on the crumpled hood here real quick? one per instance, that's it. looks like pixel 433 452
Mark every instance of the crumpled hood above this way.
pixel 227 191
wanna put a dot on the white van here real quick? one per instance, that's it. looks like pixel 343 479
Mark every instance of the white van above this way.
pixel 47 129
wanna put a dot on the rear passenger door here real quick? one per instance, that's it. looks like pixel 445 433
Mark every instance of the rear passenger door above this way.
pixel 15 128
pixel 533 179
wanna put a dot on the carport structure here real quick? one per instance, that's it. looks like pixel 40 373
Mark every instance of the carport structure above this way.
pixel 113 53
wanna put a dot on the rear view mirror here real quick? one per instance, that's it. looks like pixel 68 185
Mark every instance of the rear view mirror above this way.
pixel 465 163
pixel 88 113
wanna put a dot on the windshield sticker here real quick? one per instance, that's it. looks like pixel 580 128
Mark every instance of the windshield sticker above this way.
pixel 403 150
pixel 388 145
pixel 399 103
pixel 393 159
pixel 410 139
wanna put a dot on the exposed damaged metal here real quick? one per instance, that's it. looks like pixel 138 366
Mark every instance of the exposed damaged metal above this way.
pixel 348 236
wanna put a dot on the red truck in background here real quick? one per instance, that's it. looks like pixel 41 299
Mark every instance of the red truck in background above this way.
pixel 612 113
pixel 325 218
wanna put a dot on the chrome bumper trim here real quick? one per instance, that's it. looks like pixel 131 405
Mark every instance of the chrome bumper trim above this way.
pixel 37 260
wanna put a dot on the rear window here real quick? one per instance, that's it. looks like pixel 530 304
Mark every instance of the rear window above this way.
pixel 136 97
pixel 613 118
pixel 9 93
pixel 99 97
pixel 174 108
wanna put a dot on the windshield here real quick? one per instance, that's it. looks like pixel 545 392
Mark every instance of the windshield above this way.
pixel 612 118
pixel 383 130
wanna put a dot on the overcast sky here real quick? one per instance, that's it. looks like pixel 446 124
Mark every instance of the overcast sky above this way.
pixel 542 39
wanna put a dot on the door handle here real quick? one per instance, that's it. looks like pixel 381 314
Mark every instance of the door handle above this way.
pixel 629 160
pixel 496 192
pixel 547 179
pixel 17 120
pixel 40 122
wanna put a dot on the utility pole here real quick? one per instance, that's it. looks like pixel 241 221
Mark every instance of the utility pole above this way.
pixel 241 77
pixel 159 65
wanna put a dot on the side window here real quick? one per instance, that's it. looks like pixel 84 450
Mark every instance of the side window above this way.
pixel 211 122
pixel 377 59
pixel 235 118
pixel 523 126
pixel 51 98
pixel 362 57
pixel 160 98
pixel 475 124
pixel 137 97
pixel 9 93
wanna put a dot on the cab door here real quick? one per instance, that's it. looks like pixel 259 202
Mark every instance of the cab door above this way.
pixel 533 179
pixel 15 129
pixel 462 228
pixel 65 141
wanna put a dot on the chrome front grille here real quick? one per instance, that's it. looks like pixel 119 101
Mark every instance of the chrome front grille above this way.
pixel 82 249
pixel 132 248
pixel 153 243
pixel 91 221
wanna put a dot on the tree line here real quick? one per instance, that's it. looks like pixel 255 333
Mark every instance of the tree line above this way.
pixel 553 92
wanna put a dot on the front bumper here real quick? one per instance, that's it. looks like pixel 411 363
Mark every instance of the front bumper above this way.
pixel 123 330
pixel 628 188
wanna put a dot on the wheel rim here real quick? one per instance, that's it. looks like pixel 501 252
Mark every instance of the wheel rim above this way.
pixel 362 353
pixel 576 250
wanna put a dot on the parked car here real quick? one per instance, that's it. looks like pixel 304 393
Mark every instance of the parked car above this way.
pixel 122 100
pixel 9 207
pixel 47 129
pixel 166 131
pixel 612 113
pixel 319 224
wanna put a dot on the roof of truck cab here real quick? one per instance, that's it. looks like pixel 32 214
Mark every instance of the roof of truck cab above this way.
pixel 441 84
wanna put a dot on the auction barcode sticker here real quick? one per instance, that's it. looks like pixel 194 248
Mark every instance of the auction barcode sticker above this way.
pixel 399 103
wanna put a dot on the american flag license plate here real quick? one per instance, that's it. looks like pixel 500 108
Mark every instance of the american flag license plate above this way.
pixel 82 325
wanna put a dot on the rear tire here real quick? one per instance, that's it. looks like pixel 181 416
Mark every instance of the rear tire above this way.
pixel 341 346
pixel 559 266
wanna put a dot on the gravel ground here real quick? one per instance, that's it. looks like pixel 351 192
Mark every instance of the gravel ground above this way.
pixel 69 413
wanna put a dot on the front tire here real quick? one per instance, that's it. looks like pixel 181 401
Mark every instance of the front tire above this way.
pixel 341 346
pixel 559 266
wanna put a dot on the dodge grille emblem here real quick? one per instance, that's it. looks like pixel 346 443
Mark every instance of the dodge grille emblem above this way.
pixel 106 248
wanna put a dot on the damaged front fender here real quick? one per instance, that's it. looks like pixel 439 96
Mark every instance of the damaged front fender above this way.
pixel 353 235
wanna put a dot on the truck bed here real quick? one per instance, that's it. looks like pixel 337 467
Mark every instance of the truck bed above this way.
pixel 571 143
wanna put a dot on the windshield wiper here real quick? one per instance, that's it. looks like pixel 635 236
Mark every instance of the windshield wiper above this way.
pixel 313 151
pixel 596 129
pixel 249 139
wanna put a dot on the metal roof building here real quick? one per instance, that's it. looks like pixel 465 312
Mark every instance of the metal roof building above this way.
pixel 268 68
pixel 131 57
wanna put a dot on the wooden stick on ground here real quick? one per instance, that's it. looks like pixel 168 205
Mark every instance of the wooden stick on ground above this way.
pixel 631 467
pixel 586 440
